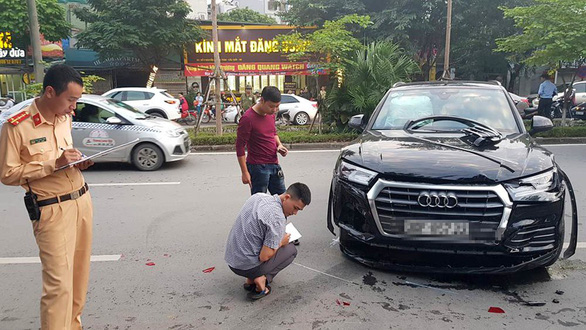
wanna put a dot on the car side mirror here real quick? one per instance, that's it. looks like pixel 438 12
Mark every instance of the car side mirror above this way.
pixel 540 124
pixel 357 122
pixel 114 121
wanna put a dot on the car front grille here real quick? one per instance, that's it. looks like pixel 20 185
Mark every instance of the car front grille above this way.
pixel 482 208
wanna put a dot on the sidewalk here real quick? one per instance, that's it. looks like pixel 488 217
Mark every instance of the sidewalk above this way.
pixel 338 145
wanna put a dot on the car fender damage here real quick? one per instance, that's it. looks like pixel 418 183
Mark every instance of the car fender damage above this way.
pixel 571 250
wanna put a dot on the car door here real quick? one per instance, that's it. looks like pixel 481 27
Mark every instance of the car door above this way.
pixel 136 99
pixel 91 132
pixel 580 92
pixel 289 103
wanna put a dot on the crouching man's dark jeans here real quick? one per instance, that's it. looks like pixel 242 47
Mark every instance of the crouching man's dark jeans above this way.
pixel 270 268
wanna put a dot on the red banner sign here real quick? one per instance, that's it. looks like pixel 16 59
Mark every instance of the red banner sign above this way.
pixel 247 69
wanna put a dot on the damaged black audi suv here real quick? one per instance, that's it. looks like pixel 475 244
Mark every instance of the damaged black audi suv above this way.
pixel 446 178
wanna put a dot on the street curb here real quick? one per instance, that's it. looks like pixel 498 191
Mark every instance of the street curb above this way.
pixel 339 145
pixel 290 146
pixel 561 140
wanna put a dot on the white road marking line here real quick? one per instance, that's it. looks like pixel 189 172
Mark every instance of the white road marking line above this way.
pixel 563 145
pixel 37 260
pixel 326 274
pixel 234 152
pixel 122 184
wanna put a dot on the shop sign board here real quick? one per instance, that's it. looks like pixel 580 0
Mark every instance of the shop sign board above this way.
pixel 9 54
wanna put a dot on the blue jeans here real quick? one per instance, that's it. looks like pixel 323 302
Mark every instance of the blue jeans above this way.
pixel 266 176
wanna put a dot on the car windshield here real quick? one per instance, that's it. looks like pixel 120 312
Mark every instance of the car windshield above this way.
pixel 489 107
pixel 124 109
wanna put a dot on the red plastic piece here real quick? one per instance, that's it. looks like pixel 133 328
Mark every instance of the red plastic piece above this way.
pixel 497 310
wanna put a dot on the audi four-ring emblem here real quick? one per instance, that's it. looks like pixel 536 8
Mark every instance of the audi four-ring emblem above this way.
pixel 437 199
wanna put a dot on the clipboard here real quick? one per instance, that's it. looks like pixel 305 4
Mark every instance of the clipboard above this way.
pixel 99 154
pixel 290 229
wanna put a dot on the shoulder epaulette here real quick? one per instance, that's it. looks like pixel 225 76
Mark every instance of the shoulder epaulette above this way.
pixel 19 117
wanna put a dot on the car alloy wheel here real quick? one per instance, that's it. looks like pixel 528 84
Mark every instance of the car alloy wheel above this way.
pixel 301 118
pixel 148 157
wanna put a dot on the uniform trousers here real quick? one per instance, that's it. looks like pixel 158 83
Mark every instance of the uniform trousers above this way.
pixel 64 237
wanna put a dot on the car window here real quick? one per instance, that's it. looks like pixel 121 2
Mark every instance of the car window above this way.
pixel 124 109
pixel 166 94
pixel 89 113
pixel 134 96
pixel 116 96
pixel 148 95
pixel 489 107
pixel 288 99
pixel 580 88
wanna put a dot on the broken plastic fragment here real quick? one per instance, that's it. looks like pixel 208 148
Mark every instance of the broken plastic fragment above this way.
pixel 208 270
pixel 335 241
pixel 560 292
pixel 166 255
pixel 338 302
pixel 150 263
pixel 497 310
pixel 346 303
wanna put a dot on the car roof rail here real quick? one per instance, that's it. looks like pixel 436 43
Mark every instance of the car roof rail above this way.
pixel 494 82
pixel 398 83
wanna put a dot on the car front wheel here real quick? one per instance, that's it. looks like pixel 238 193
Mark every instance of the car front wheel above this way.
pixel 148 157
pixel 301 118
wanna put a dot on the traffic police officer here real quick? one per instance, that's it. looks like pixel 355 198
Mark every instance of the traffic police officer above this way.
pixel 34 144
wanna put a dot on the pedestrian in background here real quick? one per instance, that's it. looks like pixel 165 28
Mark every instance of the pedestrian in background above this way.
pixel 34 144
pixel 258 247
pixel 306 94
pixel 198 102
pixel 183 103
pixel 258 134
pixel 546 92
pixel 247 100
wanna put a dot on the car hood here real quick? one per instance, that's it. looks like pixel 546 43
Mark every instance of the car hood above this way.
pixel 400 155
pixel 160 124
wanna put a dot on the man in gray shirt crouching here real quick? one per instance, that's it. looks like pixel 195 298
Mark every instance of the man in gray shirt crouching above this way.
pixel 258 247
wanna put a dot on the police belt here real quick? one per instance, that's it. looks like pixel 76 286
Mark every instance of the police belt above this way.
pixel 74 195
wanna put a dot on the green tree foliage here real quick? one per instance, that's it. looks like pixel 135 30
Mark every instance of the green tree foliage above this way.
pixel 368 75
pixel 245 15
pixel 552 34
pixel 419 27
pixel 14 18
pixel 328 45
pixel 149 29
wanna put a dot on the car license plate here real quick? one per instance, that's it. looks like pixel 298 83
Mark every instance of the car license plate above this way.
pixel 579 113
pixel 437 228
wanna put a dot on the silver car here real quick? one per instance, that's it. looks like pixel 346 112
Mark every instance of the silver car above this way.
pixel 100 123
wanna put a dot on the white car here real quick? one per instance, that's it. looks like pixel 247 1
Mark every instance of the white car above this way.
pixel 300 111
pixel 101 123
pixel 153 101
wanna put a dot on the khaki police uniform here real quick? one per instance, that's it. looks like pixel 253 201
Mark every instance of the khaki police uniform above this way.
pixel 29 148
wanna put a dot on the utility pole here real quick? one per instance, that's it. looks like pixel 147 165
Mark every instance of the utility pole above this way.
pixel 217 71
pixel 446 74
pixel 36 41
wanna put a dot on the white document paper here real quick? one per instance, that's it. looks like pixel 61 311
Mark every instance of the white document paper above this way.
pixel 290 229
pixel 99 154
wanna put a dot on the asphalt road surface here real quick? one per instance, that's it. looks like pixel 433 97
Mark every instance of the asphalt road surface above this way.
pixel 178 219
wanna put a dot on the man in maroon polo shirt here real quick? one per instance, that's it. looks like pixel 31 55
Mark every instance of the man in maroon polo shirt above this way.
pixel 258 134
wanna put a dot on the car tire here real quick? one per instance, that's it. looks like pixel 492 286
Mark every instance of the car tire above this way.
pixel 157 113
pixel 301 118
pixel 147 157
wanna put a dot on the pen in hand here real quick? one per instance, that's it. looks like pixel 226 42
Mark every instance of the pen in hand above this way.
pixel 82 155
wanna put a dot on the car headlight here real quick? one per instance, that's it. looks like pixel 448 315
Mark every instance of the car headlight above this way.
pixel 355 174
pixel 174 133
pixel 538 188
